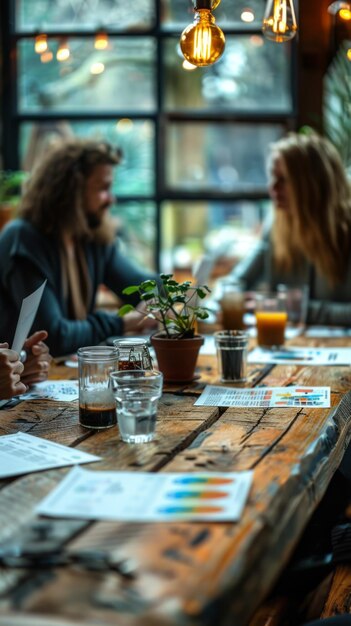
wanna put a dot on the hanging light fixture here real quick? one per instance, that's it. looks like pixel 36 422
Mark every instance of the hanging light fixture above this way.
pixel 279 22
pixel 63 51
pixel 41 43
pixel 341 8
pixel 101 40
pixel 202 42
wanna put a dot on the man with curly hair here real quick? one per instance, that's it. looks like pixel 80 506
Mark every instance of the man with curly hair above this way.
pixel 64 234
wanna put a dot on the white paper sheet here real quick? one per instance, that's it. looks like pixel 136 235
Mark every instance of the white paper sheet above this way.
pixel 148 497
pixel 26 317
pixel 327 331
pixel 66 390
pixel 272 397
pixel 22 453
pixel 302 356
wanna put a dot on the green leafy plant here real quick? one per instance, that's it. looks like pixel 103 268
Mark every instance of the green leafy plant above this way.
pixel 10 186
pixel 174 305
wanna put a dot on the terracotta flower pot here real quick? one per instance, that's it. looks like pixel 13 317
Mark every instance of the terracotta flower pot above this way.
pixel 177 358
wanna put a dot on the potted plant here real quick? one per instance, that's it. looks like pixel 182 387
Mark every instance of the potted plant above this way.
pixel 176 307
pixel 10 193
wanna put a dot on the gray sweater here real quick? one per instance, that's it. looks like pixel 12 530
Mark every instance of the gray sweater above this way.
pixel 27 257
pixel 327 305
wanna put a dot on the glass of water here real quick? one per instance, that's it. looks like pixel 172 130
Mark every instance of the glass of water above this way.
pixel 137 393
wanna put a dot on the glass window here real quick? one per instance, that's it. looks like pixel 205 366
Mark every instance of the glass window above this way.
pixel 84 14
pixel 226 229
pixel 136 229
pixel 134 176
pixel 214 156
pixel 88 79
pixel 177 14
pixel 252 75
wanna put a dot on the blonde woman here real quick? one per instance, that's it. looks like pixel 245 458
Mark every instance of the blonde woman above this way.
pixel 309 241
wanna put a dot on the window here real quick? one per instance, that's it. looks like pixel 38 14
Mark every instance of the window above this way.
pixel 194 142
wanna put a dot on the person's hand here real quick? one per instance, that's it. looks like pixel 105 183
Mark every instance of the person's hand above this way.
pixel 135 321
pixel 11 369
pixel 36 366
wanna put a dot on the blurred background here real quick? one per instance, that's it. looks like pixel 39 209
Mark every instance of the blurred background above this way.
pixel 193 177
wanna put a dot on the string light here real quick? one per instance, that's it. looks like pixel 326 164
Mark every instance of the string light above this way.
pixel 41 43
pixel 97 68
pixel 279 22
pixel 101 40
pixel 202 42
pixel 247 15
pixel 63 52
pixel 46 57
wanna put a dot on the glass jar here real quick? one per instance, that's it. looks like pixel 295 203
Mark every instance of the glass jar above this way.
pixel 133 354
pixel 97 405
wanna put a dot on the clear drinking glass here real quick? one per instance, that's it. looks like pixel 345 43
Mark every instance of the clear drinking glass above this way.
pixel 137 393
pixel 232 304
pixel 271 319
pixel 97 406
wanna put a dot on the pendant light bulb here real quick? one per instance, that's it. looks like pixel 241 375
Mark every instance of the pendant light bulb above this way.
pixel 279 22
pixel 41 43
pixel 63 51
pixel 202 42
pixel 340 7
pixel 101 40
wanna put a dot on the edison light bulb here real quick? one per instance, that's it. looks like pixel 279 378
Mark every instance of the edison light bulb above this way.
pixel 63 52
pixel 202 42
pixel 101 41
pixel 279 22
pixel 41 44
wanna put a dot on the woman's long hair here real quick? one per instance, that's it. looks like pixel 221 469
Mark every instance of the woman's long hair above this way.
pixel 54 195
pixel 317 225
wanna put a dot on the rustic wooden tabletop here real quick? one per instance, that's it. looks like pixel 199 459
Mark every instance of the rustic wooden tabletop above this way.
pixel 183 573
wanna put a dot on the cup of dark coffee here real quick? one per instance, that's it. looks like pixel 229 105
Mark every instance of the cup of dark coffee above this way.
pixel 97 405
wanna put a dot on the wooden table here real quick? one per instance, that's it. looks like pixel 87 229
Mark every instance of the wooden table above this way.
pixel 185 573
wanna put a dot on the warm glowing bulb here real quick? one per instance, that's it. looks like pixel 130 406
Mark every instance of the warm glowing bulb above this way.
pixel 247 15
pixel 63 52
pixel 41 44
pixel 345 14
pixel 188 66
pixel 202 42
pixel 124 126
pixel 214 4
pixel 279 22
pixel 97 68
pixel 101 41
pixel 348 54
pixel 46 57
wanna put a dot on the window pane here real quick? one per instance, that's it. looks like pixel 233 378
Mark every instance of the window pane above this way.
pixel 136 227
pixel 252 75
pixel 134 176
pixel 213 156
pixel 121 78
pixel 228 229
pixel 177 14
pixel 88 14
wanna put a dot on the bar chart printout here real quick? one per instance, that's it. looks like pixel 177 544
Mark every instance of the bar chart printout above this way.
pixel 265 397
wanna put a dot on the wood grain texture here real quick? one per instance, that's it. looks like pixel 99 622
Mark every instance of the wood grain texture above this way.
pixel 190 573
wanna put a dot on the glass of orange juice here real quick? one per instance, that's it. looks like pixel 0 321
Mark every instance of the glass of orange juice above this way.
pixel 271 319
